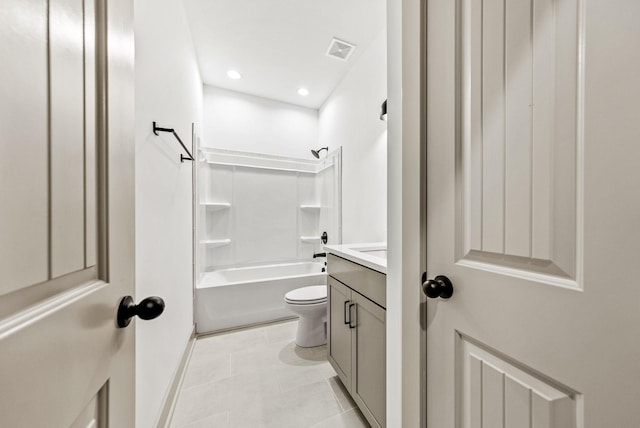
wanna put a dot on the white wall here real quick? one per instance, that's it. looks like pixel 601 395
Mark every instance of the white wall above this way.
pixel 169 91
pixel 350 118
pixel 236 121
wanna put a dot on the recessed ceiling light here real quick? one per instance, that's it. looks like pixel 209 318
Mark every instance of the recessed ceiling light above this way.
pixel 303 91
pixel 232 74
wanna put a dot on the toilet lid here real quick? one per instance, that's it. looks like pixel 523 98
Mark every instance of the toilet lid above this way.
pixel 307 295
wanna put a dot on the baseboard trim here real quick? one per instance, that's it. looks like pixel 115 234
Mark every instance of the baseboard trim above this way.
pixel 172 396
pixel 245 326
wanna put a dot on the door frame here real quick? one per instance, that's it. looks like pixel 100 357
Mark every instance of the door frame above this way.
pixel 406 216
pixel 117 127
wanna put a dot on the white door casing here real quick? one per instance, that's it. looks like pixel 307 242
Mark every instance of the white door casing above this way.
pixel 532 212
pixel 67 218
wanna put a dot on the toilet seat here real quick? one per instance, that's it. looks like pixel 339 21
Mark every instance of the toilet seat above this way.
pixel 307 295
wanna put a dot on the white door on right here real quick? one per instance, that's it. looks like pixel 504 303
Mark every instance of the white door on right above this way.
pixel 533 213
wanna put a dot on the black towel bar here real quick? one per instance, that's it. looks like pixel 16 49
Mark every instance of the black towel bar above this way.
pixel 182 157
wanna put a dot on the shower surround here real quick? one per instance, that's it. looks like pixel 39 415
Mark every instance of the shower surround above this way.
pixel 259 220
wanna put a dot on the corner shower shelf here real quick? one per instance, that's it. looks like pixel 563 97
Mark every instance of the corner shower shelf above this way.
pixel 212 243
pixel 310 207
pixel 310 238
pixel 216 205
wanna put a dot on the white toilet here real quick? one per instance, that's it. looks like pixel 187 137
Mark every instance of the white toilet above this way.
pixel 310 304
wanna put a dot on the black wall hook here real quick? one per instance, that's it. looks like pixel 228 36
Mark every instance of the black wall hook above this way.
pixel 183 158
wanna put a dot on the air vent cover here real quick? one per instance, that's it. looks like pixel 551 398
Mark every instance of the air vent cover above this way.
pixel 340 49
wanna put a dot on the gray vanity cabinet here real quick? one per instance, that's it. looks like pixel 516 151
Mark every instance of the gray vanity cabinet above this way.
pixel 356 341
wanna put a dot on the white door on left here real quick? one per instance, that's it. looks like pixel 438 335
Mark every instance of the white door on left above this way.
pixel 66 213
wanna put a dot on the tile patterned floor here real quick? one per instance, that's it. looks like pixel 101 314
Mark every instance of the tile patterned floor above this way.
pixel 258 378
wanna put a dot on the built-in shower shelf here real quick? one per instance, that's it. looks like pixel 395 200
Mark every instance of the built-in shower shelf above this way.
pixel 310 207
pixel 212 243
pixel 216 205
pixel 310 238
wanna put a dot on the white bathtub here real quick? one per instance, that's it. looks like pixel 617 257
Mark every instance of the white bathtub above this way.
pixel 236 297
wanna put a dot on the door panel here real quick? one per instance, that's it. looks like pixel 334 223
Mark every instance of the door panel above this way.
pixel 57 354
pixel 66 159
pixel 532 203
pixel 339 346
pixel 92 414
pixel 66 253
pixel 90 135
pixel 518 145
pixel 496 393
pixel 23 134
pixel 61 179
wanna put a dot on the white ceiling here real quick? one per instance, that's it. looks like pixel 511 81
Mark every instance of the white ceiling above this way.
pixel 279 45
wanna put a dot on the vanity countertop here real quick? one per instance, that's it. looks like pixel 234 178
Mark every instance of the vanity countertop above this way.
pixel 371 255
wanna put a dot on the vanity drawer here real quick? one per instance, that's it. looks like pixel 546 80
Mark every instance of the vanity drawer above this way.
pixel 365 281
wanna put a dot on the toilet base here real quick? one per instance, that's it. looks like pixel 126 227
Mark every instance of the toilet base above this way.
pixel 311 333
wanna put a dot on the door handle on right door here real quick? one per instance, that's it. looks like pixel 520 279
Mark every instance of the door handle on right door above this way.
pixel 440 286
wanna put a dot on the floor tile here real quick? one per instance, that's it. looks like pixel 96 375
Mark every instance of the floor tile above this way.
pixel 281 331
pixel 341 393
pixel 228 394
pixel 258 377
pixel 229 342
pixel 296 408
pixel 291 377
pixel 349 419
pixel 276 356
pixel 219 420
pixel 206 368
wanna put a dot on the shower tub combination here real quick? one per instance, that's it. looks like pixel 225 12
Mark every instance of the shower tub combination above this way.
pixel 228 298
pixel 259 221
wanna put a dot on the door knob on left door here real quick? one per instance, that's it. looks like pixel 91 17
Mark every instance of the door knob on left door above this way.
pixel 148 309
pixel 440 286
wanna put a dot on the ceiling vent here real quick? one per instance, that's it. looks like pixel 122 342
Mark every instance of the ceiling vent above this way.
pixel 340 49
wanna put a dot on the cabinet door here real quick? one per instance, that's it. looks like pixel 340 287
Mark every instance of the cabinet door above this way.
pixel 369 383
pixel 339 333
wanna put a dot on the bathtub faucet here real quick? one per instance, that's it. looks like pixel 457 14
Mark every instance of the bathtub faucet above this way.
pixel 316 255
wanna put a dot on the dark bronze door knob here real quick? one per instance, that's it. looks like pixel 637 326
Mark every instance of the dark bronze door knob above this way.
pixel 148 309
pixel 440 286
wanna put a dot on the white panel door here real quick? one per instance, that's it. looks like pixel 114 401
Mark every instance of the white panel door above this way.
pixel 66 213
pixel 533 213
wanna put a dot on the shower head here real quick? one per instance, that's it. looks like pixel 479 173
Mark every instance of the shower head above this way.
pixel 316 153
